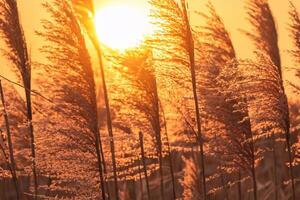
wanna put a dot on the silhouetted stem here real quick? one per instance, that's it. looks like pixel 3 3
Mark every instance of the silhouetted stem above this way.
pixel 290 163
pixel 104 167
pixel 253 172
pixel 10 144
pixel 141 182
pixel 31 133
pixel 275 166
pixel 109 121
pixel 288 143
pixel 144 163
pixel 170 156
pixel 158 138
pixel 98 152
pixel 98 147
pixel 190 46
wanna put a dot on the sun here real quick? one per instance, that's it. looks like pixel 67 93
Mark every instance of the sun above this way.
pixel 122 26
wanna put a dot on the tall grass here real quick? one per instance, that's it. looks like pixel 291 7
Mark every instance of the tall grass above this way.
pixel 223 116
pixel 78 100
pixel 294 26
pixel 86 13
pixel 137 68
pixel 144 163
pixel 16 111
pixel 175 43
pixel 189 42
pixel 17 53
pixel 265 37
pixel 225 101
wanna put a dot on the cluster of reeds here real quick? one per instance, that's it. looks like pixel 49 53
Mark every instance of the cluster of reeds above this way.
pixel 184 117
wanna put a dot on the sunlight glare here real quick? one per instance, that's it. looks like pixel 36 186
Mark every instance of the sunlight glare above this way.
pixel 122 26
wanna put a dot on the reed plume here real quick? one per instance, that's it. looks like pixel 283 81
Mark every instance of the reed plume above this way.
pixel 17 53
pixel 86 12
pixel 294 115
pixel 265 38
pixel 178 48
pixel 225 101
pixel 137 70
pixel 264 33
pixel 294 26
pixel 69 60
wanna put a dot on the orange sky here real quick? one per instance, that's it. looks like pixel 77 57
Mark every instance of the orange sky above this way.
pixel 232 12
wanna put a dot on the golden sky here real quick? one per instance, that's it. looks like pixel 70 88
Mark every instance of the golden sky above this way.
pixel 231 11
